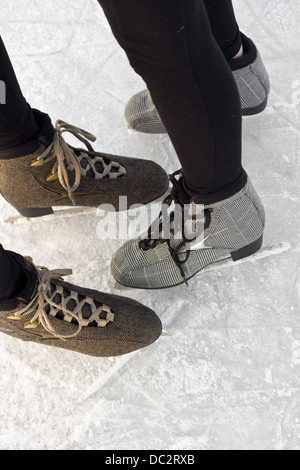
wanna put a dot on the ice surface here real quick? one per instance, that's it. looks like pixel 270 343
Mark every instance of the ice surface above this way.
pixel 227 374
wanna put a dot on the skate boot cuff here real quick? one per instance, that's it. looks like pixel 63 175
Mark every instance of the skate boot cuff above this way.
pixel 249 56
pixel 45 137
pixel 29 279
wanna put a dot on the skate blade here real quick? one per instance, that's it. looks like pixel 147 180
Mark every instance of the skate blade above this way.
pixel 265 252
pixel 63 213
pixel 73 211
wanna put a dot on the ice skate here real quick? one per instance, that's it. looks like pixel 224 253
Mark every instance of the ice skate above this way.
pixel 232 230
pixel 251 78
pixel 49 311
pixel 47 173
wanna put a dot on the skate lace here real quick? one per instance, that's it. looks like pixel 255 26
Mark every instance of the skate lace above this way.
pixel 176 251
pixel 42 300
pixel 67 159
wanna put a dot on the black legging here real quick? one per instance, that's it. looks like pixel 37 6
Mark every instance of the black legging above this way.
pixel 224 26
pixel 171 45
pixel 17 122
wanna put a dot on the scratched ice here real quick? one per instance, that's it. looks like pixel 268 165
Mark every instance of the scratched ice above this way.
pixel 227 373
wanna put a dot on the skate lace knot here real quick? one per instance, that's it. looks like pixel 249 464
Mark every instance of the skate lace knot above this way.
pixel 67 159
pixel 43 299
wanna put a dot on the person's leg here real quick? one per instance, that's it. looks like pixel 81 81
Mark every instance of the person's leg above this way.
pixel 224 26
pixel 243 58
pixel 38 170
pixel 170 44
pixel 17 121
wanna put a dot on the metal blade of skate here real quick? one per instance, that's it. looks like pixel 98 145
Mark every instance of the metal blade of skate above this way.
pixel 265 252
pixel 63 213
pixel 69 212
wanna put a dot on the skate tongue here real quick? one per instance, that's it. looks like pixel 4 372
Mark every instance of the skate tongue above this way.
pixel 44 138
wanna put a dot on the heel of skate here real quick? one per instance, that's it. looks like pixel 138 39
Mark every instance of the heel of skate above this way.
pixel 247 250
pixel 35 212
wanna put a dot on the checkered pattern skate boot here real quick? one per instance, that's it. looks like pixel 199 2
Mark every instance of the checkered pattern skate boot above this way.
pixel 52 312
pixel 251 78
pixel 48 172
pixel 230 229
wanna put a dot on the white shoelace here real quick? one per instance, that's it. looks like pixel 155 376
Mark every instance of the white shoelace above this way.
pixel 41 300
pixel 64 155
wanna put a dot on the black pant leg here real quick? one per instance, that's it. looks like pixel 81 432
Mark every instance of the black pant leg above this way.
pixel 224 26
pixel 17 121
pixel 170 44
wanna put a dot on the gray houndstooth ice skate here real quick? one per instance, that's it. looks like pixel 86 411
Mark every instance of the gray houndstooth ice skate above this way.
pixel 251 78
pixel 232 229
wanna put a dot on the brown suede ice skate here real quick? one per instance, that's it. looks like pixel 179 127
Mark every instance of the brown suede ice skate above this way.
pixel 52 312
pixel 47 172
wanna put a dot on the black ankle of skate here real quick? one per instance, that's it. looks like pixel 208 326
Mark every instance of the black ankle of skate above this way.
pixel 20 286
pixel 249 56
pixel 45 137
pixel 26 286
